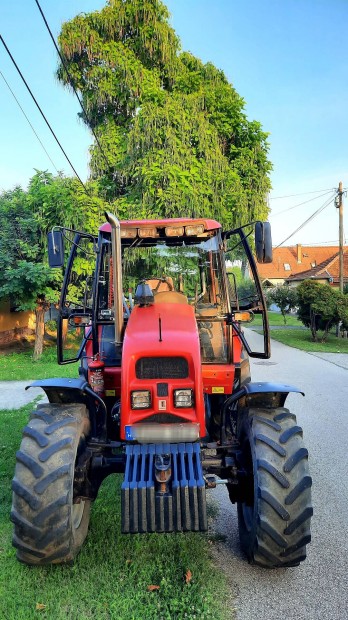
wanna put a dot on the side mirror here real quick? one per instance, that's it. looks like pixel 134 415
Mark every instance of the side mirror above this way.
pixel 263 242
pixel 55 248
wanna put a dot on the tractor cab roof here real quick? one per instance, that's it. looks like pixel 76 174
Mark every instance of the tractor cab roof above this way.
pixel 173 231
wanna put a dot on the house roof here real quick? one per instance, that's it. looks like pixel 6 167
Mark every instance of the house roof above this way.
pixel 328 269
pixel 293 260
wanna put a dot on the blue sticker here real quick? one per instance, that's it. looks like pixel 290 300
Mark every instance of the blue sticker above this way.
pixel 129 435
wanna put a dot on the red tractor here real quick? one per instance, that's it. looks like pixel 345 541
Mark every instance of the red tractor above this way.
pixel 164 395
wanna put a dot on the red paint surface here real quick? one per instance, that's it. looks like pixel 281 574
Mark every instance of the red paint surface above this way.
pixel 179 338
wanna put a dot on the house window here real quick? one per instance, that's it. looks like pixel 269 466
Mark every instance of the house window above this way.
pixel 286 266
pixel 313 264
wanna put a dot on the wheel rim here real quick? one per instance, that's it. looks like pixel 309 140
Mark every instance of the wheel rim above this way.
pixel 77 514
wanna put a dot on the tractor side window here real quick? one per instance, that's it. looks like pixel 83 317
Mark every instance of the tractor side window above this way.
pixel 245 289
pixel 79 290
pixel 241 283
pixel 77 302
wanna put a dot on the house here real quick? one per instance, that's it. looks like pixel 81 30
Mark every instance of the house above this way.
pixel 293 264
pixel 14 325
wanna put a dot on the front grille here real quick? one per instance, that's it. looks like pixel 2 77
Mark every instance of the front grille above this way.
pixel 164 418
pixel 161 368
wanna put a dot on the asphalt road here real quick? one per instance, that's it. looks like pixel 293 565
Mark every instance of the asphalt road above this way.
pixel 318 588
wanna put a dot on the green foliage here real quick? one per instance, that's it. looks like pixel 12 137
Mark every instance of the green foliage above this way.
pixel 343 310
pixel 284 297
pixel 173 129
pixel 320 307
pixel 25 220
pixel 28 283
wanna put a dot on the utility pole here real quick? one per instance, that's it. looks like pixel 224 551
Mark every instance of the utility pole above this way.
pixel 339 206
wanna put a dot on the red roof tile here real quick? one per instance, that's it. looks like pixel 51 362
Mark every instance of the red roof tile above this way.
pixel 309 256
pixel 327 269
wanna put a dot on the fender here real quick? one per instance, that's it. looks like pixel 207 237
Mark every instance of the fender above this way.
pixel 76 391
pixel 263 394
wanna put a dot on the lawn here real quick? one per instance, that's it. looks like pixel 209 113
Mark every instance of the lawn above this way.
pixel 299 338
pixel 302 339
pixel 21 366
pixel 276 318
pixel 112 574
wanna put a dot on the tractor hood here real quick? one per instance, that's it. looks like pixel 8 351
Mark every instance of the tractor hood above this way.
pixel 161 354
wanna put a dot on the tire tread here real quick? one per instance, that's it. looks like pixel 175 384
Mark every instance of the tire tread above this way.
pixel 42 508
pixel 282 507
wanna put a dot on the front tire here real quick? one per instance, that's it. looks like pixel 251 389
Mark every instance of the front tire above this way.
pixel 49 528
pixel 274 518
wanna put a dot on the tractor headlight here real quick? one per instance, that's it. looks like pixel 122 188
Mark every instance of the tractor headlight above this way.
pixel 183 398
pixel 141 399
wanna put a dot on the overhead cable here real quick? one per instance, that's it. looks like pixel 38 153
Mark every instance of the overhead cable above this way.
pixel 25 116
pixel 326 204
pixel 41 112
pixel 72 83
pixel 302 203
pixel 317 191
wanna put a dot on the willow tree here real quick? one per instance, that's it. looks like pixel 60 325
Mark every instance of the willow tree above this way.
pixel 174 136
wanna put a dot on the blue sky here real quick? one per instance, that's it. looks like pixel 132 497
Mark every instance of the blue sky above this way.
pixel 287 58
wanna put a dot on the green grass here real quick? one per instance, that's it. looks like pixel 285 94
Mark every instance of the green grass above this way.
pixel 110 578
pixel 276 318
pixel 21 366
pixel 302 339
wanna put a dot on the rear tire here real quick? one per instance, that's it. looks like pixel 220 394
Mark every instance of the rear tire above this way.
pixel 49 528
pixel 274 518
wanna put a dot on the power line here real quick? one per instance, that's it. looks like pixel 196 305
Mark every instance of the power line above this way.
pixel 41 112
pixel 72 83
pixel 302 203
pixel 334 242
pixel 25 116
pixel 317 191
pixel 326 204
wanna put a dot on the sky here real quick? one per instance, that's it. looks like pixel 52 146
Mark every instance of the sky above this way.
pixel 288 59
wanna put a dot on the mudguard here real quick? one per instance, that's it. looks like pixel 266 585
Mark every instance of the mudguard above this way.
pixel 266 387
pixel 62 390
pixel 76 391
pixel 262 394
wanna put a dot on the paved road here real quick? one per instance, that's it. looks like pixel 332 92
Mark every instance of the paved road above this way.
pixel 14 395
pixel 318 589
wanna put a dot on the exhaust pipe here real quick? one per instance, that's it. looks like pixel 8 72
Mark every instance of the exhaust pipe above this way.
pixel 117 274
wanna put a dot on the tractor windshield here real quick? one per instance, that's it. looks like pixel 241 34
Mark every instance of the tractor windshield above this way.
pixel 193 269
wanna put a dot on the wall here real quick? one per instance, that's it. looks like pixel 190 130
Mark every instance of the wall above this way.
pixel 14 325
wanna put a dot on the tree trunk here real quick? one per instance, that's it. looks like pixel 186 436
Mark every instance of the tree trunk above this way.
pixel 64 330
pixel 39 329
pixel 313 326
